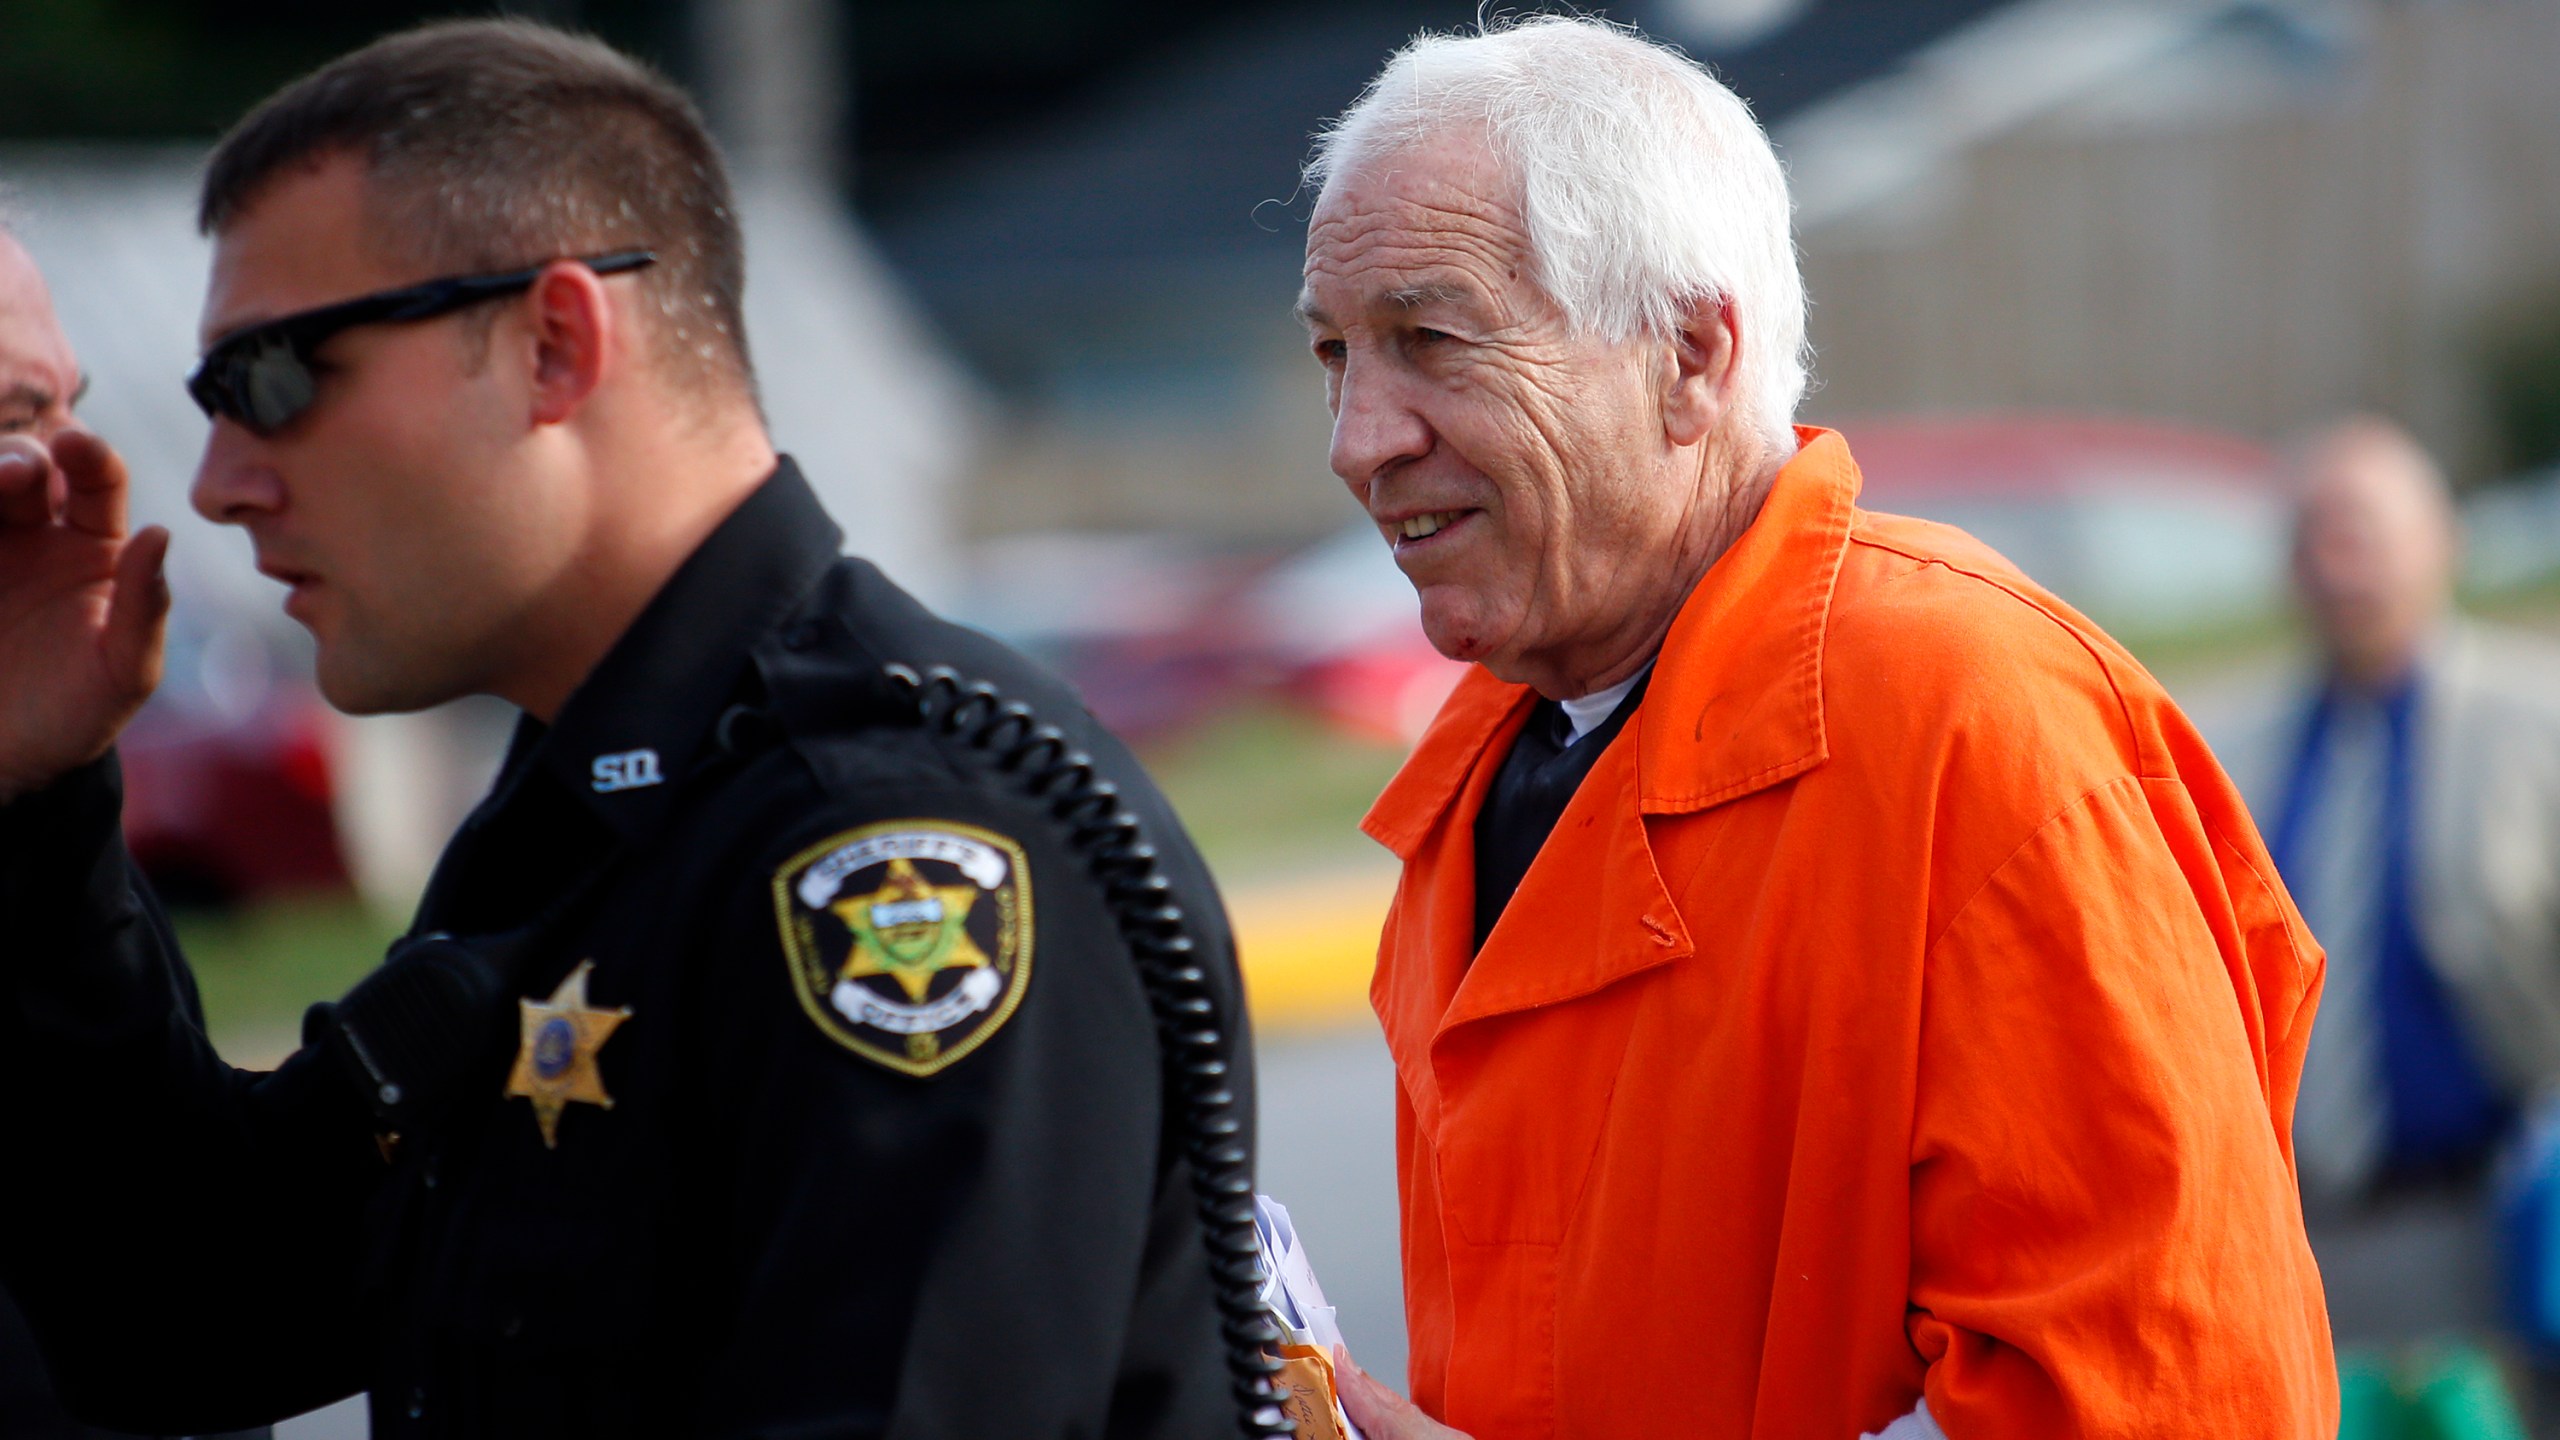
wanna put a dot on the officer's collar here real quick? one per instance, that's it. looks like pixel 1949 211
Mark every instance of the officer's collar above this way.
pixel 644 718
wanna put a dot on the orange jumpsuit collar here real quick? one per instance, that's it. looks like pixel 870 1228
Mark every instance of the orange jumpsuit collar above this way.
pixel 1736 704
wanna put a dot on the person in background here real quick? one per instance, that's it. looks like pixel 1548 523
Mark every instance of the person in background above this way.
pixel 40 383
pixel 2410 792
pixel 1832 989
pixel 40 379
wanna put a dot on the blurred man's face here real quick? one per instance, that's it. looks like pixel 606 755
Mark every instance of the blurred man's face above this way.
pixel 417 539
pixel 2373 555
pixel 1520 472
pixel 39 381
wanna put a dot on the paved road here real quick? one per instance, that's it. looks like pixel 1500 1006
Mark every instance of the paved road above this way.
pixel 1328 1153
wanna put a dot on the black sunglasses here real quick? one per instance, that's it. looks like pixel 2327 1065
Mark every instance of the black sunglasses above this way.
pixel 261 376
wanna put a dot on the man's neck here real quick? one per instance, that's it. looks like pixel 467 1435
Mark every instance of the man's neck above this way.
pixel 2372 676
pixel 2382 670
pixel 667 494
pixel 1725 509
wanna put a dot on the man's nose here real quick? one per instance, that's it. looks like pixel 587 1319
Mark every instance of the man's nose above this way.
pixel 1374 424
pixel 234 484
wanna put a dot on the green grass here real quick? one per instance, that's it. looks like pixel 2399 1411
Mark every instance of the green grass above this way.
pixel 260 965
pixel 2535 606
pixel 1267 788
pixel 2264 635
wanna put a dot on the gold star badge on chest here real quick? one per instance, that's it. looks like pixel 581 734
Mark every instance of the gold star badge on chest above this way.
pixel 556 1059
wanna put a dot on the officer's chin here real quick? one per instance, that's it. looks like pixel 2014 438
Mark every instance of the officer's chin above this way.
pixel 356 682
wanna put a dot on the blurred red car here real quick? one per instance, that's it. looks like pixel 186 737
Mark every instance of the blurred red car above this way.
pixel 229 780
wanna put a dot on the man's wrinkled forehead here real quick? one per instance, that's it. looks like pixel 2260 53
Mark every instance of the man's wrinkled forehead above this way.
pixel 1432 220
pixel 30 334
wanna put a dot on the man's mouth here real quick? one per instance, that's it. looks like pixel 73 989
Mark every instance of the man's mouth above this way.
pixel 1415 529
pixel 298 585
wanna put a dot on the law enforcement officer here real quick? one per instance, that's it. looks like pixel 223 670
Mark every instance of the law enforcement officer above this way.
pixel 787 1072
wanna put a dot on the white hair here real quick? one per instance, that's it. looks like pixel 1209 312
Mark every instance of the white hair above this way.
pixel 1646 184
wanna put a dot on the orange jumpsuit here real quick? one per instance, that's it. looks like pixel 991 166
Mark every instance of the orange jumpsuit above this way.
pixel 1904 1004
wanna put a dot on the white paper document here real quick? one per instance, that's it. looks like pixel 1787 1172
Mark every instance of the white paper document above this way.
pixel 1289 1287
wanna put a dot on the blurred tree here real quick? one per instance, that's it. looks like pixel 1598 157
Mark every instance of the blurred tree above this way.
pixel 167 69
pixel 926 79
pixel 935 79
pixel 2521 383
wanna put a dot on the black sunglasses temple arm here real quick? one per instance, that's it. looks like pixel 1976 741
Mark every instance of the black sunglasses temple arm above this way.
pixel 439 296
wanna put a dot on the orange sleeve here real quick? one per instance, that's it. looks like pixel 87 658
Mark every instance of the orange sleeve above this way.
pixel 2106 1239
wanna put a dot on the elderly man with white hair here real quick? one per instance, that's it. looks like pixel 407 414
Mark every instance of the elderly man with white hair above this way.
pixel 1832 989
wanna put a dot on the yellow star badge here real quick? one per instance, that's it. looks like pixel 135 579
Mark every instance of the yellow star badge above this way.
pixel 556 1062
pixel 909 930
pixel 871 918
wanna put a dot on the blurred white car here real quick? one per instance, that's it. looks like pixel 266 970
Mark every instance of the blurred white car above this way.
pixel 2145 526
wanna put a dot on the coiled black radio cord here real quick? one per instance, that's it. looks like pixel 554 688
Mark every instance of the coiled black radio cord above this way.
pixel 1189 1031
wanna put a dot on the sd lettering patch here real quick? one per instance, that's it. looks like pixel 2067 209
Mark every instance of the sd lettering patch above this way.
pixel 909 941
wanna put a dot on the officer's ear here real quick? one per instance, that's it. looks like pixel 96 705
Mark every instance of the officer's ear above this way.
pixel 1697 370
pixel 575 335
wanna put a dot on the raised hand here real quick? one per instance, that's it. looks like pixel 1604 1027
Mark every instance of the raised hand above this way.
pixel 83 607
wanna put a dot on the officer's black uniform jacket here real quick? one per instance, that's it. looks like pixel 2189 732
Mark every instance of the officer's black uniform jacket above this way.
pixel 768 1234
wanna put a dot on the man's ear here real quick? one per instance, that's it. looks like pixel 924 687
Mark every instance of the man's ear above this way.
pixel 1698 371
pixel 575 335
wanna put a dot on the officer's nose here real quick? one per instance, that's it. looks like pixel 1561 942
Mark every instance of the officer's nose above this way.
pixel 1375 424
pixel 235 483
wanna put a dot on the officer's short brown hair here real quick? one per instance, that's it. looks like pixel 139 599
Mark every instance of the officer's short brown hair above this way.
pixel 496 144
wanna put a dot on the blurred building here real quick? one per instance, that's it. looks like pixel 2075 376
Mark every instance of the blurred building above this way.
pixel 2249 213
pixel 2241 213
pixel 1120 267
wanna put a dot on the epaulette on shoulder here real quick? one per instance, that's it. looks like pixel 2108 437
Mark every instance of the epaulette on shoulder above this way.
pixel 823 682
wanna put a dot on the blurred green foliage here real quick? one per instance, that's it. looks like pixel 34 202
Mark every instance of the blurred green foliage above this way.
pixel 2520 383
pixel 152 69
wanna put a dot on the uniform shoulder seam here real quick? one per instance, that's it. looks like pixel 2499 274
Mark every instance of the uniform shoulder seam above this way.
pixel 2098 655
pixel 1955 917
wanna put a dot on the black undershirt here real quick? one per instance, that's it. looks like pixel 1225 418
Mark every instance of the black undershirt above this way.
pixel 1529 793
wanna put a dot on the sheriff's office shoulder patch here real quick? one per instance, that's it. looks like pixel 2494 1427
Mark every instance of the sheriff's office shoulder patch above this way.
pixel 910 940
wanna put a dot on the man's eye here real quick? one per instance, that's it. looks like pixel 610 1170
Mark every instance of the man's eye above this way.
pixel 1425 335
pixel 16 424
pixel 1330 352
